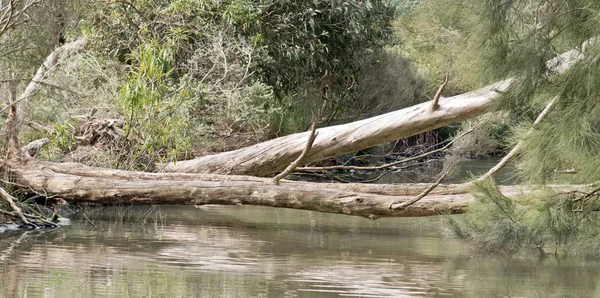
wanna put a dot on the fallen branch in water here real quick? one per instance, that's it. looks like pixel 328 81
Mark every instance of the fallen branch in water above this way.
pixel 398 206
pixel 11 201
pixel 515 150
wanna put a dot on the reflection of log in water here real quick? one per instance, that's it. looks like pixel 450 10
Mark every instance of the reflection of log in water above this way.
pixel 185 258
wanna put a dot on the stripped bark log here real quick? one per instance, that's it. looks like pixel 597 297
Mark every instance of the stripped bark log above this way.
pixel 75 182
pixel 274 155
pixel 78 183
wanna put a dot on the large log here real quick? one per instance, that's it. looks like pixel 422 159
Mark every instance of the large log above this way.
pixel 78 183
pixel 274 155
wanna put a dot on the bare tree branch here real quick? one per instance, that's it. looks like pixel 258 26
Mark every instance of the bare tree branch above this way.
pixel 398 206
pixel 517 147
pixel 293 165
pixel 435 104
pixel 14 10
pixel 37 81
pixel 11 201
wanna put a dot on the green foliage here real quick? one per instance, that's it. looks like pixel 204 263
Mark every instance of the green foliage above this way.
pixel 434 36
pixel 479 42
pixel 546 222
pixel 244 66
pixel 318 42
pixel 61 136
pixel 519 38
pixel 293 42
pixel 156 105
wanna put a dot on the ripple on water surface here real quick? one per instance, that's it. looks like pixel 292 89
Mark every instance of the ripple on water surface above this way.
pixel 263 252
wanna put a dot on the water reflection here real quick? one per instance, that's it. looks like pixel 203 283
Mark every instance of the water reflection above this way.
pixel 264 252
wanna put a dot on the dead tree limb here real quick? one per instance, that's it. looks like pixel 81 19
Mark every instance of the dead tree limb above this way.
pixel 398 206
pixel 11 201
pixel 11 122
pixel 12 13
pixel 296 163
pixel 515 150
pixel 32 148
pixel 51 61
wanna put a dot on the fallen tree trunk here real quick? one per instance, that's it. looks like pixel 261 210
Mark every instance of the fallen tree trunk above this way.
pixel 274 155
pixel 79 183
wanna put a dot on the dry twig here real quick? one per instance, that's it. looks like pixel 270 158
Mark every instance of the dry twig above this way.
pixel 436 99
pixel 11 201
pixel 517 147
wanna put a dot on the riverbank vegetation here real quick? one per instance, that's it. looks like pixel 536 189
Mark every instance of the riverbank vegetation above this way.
pixel 166 101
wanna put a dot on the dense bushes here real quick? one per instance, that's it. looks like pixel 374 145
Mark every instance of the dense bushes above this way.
pixel 198 70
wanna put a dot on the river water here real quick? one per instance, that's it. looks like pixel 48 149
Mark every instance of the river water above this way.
pixel 244 251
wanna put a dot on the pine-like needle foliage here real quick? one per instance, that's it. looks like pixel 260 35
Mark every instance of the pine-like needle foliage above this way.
pixel 548 222
pixel 517 39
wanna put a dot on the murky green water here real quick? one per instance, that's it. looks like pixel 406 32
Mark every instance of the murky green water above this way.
pixel 244 251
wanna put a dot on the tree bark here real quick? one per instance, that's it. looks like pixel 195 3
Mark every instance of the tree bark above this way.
pixel 274 155
pixel 78 183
